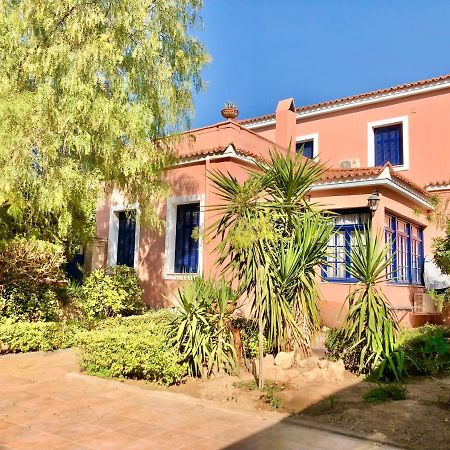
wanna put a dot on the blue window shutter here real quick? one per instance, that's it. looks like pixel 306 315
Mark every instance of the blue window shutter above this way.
pixel 186 248
pixel 389 145
pixel 308 148
pixel 126 239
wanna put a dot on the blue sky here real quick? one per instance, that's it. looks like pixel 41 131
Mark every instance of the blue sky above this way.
pixel 315 50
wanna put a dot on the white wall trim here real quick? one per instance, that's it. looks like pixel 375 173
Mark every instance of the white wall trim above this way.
pixel 442 187
pixel 325 109
pixel 113 233
pixel 184 161
pixel 404 120
pixel 375 182
pixel 311 137
pixel 171 222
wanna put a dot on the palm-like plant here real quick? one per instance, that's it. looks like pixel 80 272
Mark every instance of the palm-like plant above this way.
pixel 370 326
pixel 202 328
pixel 271 241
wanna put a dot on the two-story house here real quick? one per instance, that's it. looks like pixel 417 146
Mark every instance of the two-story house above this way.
pixel 388 153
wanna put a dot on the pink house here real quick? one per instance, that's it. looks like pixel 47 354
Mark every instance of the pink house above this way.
pixel 391 145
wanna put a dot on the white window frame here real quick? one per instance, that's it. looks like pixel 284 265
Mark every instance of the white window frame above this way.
pixel 113 233
pixel 404 121
pixel 171 224
pixel 310 137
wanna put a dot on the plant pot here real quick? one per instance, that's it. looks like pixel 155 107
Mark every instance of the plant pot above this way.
pixel 229 113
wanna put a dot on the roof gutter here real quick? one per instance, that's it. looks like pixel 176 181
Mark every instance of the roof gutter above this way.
pixel 355 103
pixel 374 182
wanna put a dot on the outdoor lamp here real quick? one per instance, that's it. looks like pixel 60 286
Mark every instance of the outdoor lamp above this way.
pixel 373 201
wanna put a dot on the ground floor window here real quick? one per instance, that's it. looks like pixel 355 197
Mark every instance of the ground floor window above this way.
pixel 186 245
pixel 405 241
pixel 346 225
pixel 126 238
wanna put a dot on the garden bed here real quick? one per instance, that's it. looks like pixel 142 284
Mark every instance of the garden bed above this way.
pixel 422 420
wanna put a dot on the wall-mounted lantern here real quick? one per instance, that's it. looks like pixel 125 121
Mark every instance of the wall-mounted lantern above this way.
pixel 373 201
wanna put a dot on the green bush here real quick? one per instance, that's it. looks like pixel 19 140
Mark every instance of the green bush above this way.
pixel 30 279
pixel 250 337
pixel 116 292
pixel 385 393
pixel 427 349
pixel 20 337
pixel 132 348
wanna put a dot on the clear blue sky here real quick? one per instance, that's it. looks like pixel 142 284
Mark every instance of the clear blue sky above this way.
pixel 315 50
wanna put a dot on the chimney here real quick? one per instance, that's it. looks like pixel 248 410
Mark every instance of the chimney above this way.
pixel 285 123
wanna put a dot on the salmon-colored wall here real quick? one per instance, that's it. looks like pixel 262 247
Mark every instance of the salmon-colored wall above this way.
pixel 335 293
pixel 190 179
pixel 343 134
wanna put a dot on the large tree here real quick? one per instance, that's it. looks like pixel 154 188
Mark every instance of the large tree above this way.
pixel 89 90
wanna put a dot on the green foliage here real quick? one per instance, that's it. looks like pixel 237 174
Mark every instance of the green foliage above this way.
pixel 370 327
pixel 30 279
pixel 268 392
pixel 442 250
pixel 138 349
pixel 428 349
pixel 202 327
pixel 250 337
pixel 108 293
pixel 441 299
pixel 385 393
pixel 87 89
pixel 272 240
pixel 18 337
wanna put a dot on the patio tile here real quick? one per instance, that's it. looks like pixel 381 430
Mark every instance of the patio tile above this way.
pixel 38 440
pixel 174 439
pixel 108 440
pixel 141 429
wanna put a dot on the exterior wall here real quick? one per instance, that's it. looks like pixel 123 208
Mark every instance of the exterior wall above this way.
pixel 343 134
pixel 183 181
pixel 400 295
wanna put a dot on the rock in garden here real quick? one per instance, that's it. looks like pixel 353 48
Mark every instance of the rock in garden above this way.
pixel 307 363
pixel 336 370
pixel 285 360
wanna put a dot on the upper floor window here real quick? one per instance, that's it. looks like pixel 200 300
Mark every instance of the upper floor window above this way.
pixel 341 243
pixel 405 241
pixel 389 145
pixel 388 141
pixel 309 144
pixel 308 148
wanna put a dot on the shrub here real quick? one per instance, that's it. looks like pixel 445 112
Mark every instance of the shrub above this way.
pixel 250 337
pixel 202 327
pixel 116 292
pixel 30 278
pixel 19 337
pixel 385 393
pixel 138 349
pixel 427 348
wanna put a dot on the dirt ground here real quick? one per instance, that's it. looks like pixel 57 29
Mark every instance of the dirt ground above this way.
pixel 421 421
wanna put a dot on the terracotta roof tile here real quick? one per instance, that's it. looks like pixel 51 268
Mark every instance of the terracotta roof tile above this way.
pixel 337 174
pixel 220 150
pixel 438 184
pixel 350 98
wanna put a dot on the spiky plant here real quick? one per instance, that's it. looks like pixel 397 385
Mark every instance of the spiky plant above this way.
pixel 370 326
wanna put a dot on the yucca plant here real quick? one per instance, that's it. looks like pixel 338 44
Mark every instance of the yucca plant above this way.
pixel 202 327
pixel 272 240
pixel 370 327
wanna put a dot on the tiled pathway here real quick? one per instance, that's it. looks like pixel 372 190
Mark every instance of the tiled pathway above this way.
pixel 45 403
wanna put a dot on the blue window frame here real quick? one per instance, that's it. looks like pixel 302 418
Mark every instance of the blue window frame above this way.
pixel 389 145
pixel 307 146
pixel 126 238
pixel 186 247
pixel 341 242
pixel 405 241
